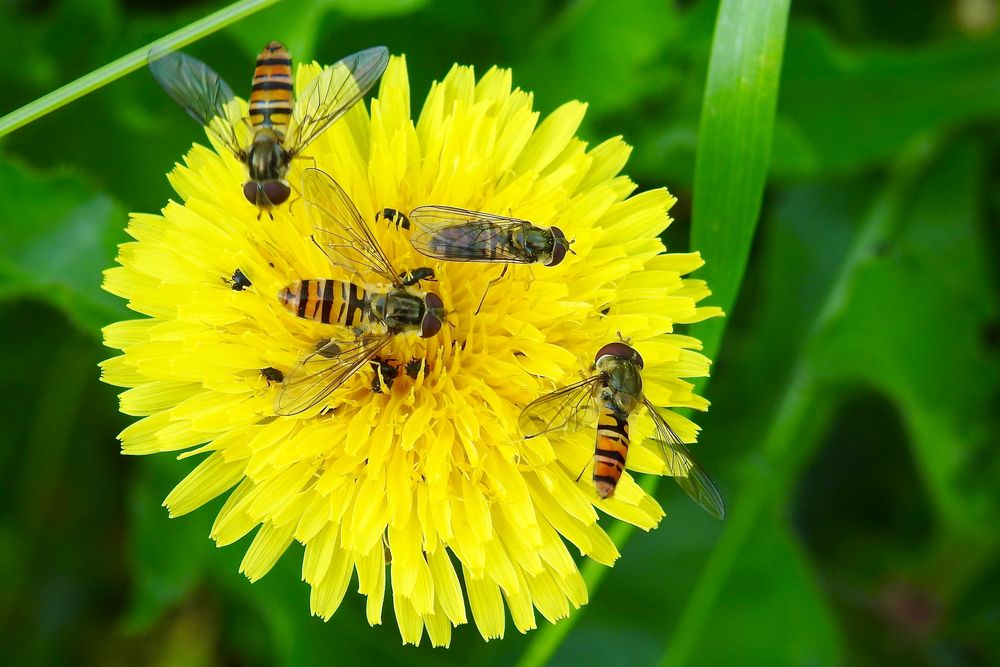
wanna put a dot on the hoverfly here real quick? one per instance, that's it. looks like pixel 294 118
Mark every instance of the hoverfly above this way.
pixel 460 235
pixel 612 395
pixel 376 315
pixel 279 129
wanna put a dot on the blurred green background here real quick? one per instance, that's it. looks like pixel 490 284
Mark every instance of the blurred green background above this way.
pixel 856 400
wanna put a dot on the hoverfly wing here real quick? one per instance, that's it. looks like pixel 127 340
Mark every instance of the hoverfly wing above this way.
pixel 323 371
pixel 200 92
pixel 332 94
pixel 566 407
pixel 686 472
pixel 341 232
pixel 458 234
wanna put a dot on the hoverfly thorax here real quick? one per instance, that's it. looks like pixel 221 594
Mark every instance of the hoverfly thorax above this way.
pixel 402 310
pixel 620 365
pixel 398 309
pixel 267 163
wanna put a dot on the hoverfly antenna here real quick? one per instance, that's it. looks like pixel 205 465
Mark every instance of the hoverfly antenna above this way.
pixel 624 339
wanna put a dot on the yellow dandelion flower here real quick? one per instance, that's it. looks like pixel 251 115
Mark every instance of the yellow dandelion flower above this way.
pixel 427 467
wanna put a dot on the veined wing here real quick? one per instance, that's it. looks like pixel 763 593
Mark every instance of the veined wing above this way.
pixel 566 407
pixel 341 232
pixel 322 372
pixel 686 472
pixel 458 234
pixel 332 94
pixel 200 92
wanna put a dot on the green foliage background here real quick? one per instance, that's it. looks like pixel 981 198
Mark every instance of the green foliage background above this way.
pixel 856 394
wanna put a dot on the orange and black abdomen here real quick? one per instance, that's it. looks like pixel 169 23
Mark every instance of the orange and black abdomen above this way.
pixel 325 300
pixel 611 450
pixel 271 95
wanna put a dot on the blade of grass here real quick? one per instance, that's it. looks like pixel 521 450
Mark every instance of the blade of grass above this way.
pixel 778 449
pixel 734 148
pixel 129 63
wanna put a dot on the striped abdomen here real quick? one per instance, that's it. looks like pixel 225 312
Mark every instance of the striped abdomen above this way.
pixel 327 301
pixel 611 449
pixel 271 96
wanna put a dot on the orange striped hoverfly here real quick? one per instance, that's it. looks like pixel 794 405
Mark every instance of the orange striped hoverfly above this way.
pixel 375 315
pixel 279 129
pixel 611 396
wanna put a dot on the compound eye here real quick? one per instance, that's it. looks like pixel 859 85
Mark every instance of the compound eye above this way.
pixel 430 325
pixel 620 350
pixel 558 247
pixel 433 310
pixel 250 191
pixel 276 192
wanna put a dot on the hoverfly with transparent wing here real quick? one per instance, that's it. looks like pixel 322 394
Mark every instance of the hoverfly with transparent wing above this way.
pixel 279 128
pixel 460 235
pixel 375 315
pixel 611 396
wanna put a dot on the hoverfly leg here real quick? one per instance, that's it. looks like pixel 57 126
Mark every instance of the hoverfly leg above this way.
pixel 578 477
pixel 489 285
pixel 298 194
pixel 306 157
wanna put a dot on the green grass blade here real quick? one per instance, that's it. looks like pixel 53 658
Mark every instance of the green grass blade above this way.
pixel 128 63
pixel 734 148
pixel 791 415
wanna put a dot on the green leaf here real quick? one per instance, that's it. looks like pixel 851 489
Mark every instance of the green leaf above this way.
pixel 58 236
pixel 843 108
pixel 600 52
pixel 894 299
pixel 169 557
pixel 773 587
pixel 929 356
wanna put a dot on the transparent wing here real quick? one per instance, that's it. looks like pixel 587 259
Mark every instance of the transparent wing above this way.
pixel 199 91
pixel 458 234
pixel 686 472
pixel 341 232
pixel 331 94
pixel 566 407
pixel 319 374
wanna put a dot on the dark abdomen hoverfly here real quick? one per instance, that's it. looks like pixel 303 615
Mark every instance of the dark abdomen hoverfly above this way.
pixel 374 314
pixel 279 129
pixel 614 393
pixel 459 235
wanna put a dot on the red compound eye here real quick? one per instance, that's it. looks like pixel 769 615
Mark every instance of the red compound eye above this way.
pixel 433 315
pixel 620 350
pixel 276 192
pixel 558 247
